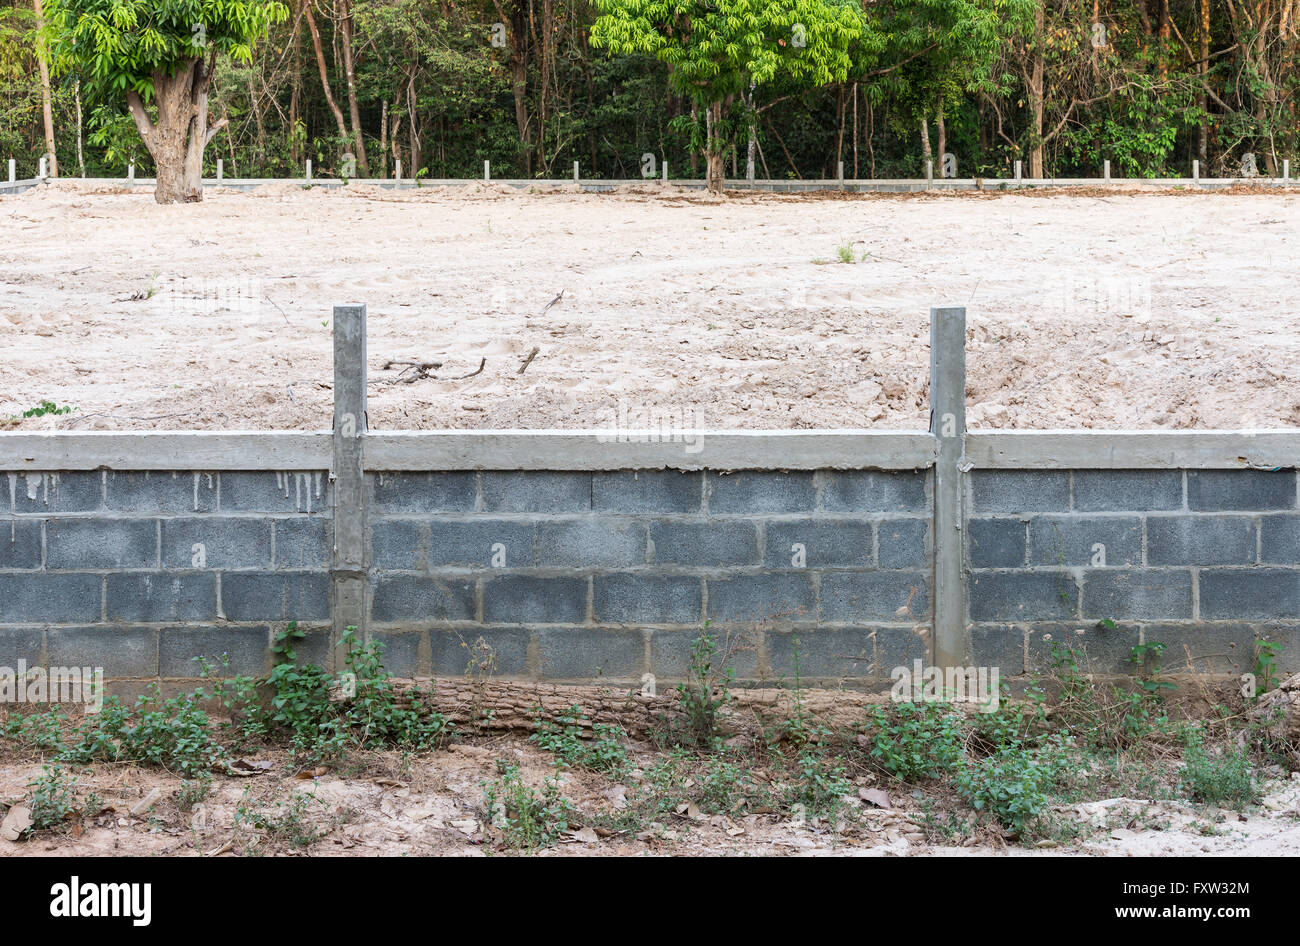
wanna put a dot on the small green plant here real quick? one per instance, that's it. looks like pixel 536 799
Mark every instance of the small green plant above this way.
pixel 916 741
pixel 604 752
pixel 45 408
pixel 1265 670
pixel 1224 778
pixel 844 252
pixel 193 791
pixel 820 782
pixel 289 821
pixel 527 820
pixel 52 798
pixel 1014 785
pixel 706 691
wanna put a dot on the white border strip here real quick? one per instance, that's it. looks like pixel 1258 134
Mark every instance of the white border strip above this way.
pixel 1134 449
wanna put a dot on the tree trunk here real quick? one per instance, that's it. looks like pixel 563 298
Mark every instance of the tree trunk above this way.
pixel 47 107
pixel 1036 93
pixel 1203 67
pixel 926 154
pixel 943 138
pixel 179 135
pixel 717 170
pixel 324 76
pixel 349 73
pixel 81 155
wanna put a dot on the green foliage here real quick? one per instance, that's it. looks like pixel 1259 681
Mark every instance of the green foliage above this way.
pixel 526 819
pixel 917 741
pixel 603 752
pixel 1224 779
pixel 1014 785
pixel 705 693
pixel 51 799
pixel 47 408
pixel 116 46
pixel 289 820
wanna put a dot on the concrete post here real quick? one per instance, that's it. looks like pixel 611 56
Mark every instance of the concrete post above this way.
pixel 1106 170
pixel 948 425
pixel 397 173
pixel 575 172
pixel 749 171
pixel 1019 169
pixel 487 171
pixel 665 170
pixel 41 173
pixel 349 571
pixel 221 169
pixel 13 170
pixel 1286 169
pixel 1196 170
pixel 929 170
pixel 130 172
pixel 839 174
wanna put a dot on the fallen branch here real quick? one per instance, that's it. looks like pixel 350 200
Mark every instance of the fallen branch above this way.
pixel 529 360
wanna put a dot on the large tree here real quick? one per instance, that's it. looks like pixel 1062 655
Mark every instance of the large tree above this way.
pixel 160 53
pixel 718 48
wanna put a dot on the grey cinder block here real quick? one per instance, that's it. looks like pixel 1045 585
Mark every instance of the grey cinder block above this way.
pixel 1127 490
pixel 158 493
pixel 761 491
pixel 216 542
pixel 647 599
pixel 459 653
pixel 523 599
pixel 1022 596
pixel 642 491
pixel 20 543
pixel 245 649
pixel 1200 540
pixel 997 543
pixel 149 597
pixel 101 543
pixel 477 542
pixel 711 543
pixel 302 542
pixel 119 651
pixel 1073 540
pixel 49 598
pixel 273 492
pixel 1223 490
pixel 903 543
pixel 868 491
pixel 1249 594
pixel 585 654
pixel 1138 594
pixel 875 596
pixel 536 491
pixel 587 543
pixel 420 600
pixel 1020 491
pixel 410 493
pixel 827 543
pixel 57 492
pixel 764 597
pixel 281 596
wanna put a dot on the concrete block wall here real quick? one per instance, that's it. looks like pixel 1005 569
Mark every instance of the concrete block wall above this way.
pixel 139 572
pixel 581 576
pixel 1206 562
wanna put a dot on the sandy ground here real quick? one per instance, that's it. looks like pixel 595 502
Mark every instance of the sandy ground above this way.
pixel 1086 309
pixel 384 804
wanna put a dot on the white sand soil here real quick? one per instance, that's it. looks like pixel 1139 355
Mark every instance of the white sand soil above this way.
pixel 1086 309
